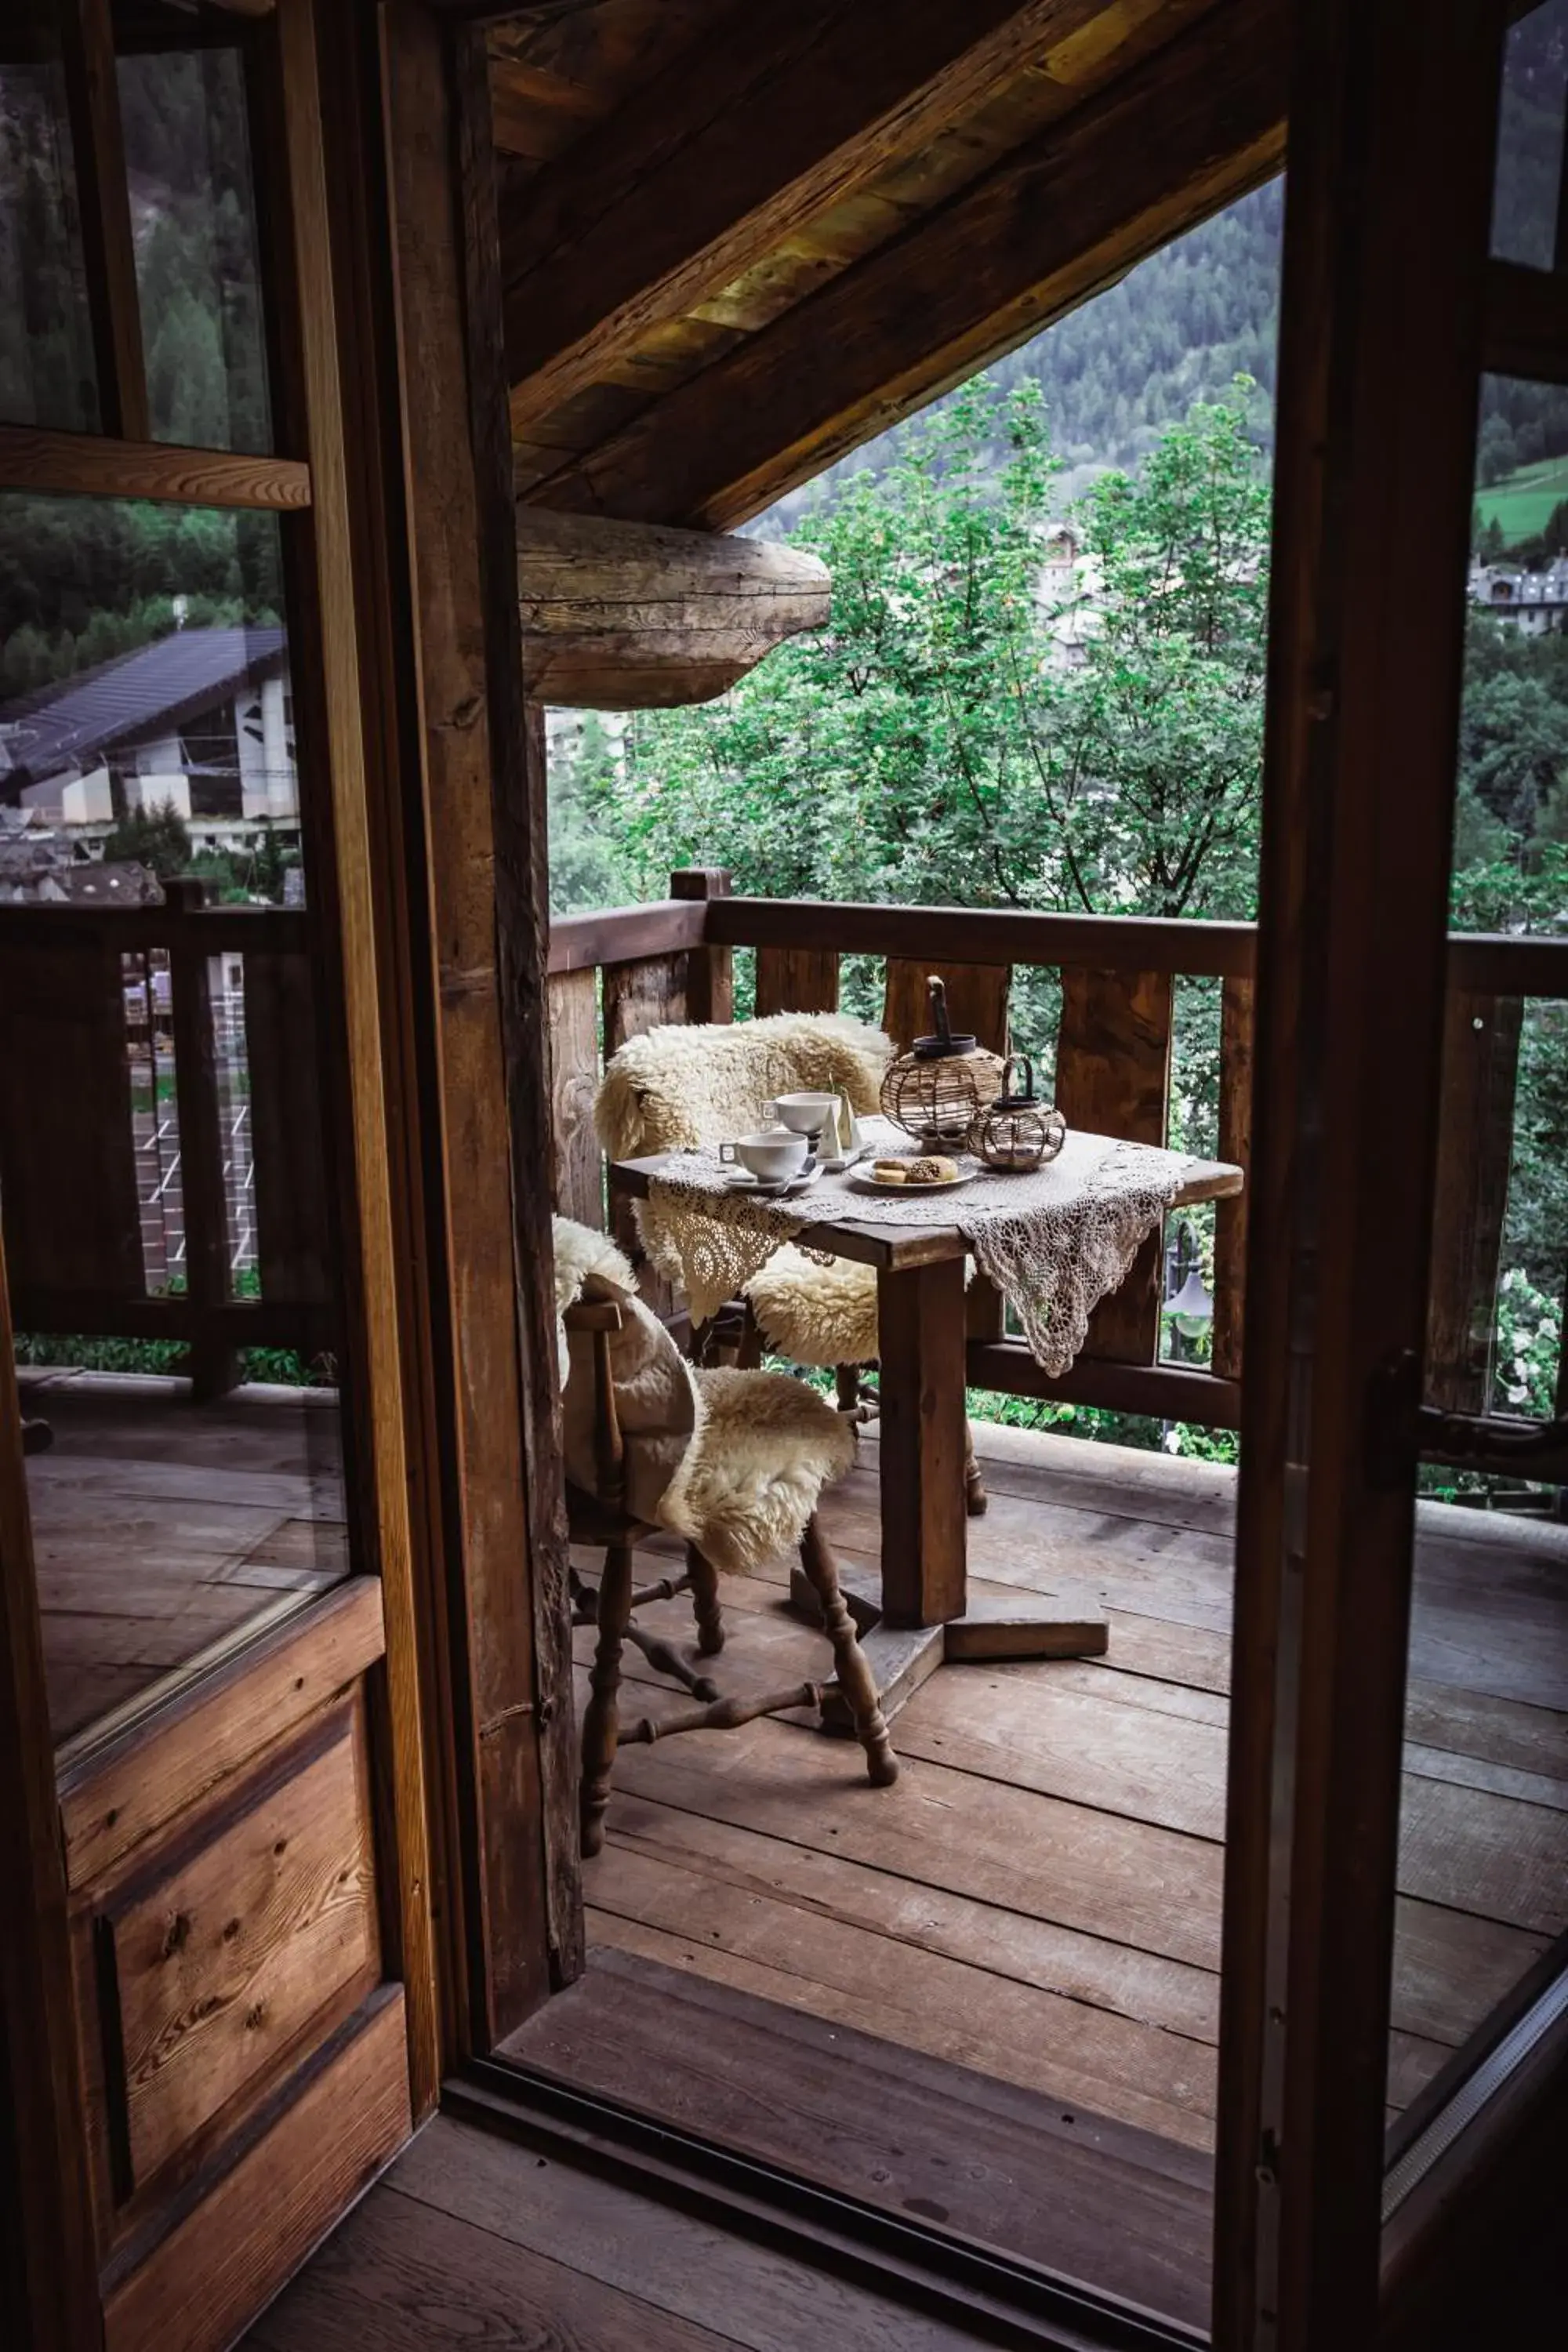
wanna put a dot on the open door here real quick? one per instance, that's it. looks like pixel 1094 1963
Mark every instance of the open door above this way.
pixel 219 1991
pixel 1387 1056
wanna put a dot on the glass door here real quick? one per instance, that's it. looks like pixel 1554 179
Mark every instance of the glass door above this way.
pixel 1395 1866
pixel 205 1548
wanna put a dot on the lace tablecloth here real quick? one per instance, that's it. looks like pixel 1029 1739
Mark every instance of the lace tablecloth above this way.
pixel 1054 1242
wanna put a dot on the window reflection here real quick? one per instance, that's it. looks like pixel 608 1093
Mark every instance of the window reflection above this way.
pixel 163 1164
pixel 188 155
pixel 47 371
pixel 1529 138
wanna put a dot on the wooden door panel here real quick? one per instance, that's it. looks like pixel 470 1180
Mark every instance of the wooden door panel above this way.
pixel 306 2157
pixel 224 1951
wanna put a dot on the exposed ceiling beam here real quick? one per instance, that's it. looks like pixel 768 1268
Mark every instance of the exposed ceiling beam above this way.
pixel 627 616
pixel 740 140
pixel 1185 132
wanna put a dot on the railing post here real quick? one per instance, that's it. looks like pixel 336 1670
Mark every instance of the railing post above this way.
pixel 203 1200
pixel 711 970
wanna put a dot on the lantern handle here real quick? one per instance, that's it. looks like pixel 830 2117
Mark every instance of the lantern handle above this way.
pixel 1027 1087
pixel 936 989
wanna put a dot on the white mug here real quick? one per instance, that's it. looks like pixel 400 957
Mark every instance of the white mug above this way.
pixel 770 1156
pixel 807 1113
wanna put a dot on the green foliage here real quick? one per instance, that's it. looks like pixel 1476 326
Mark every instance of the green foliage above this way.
pixel 978 725
pixel 587 868
pixel 154 837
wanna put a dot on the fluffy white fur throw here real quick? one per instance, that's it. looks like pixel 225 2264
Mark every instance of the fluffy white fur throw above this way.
pixel 733 1462
pixel 815 1313
pixel 687 1084
pixel 678 1086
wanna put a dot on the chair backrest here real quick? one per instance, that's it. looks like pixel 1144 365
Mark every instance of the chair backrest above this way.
pixel 629 1404
pixel 687 1084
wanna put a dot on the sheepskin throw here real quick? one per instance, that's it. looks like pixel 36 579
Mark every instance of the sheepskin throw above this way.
pixel 732 1462
pixel 1054 1242
pixel 682 1087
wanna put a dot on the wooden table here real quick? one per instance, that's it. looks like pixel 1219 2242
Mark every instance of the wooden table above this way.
pixel 917 1612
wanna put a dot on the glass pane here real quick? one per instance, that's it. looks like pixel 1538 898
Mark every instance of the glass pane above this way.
pixel 1529 138
pixel 1484 1845
pixel 47 371
pixel 187 156
pixel 163 1165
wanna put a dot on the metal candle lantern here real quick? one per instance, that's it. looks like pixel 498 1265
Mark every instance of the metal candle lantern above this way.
pixel 938 1090
pixel 1017 1132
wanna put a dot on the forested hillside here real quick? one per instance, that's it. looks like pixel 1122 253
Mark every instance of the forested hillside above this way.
pixel 1179 327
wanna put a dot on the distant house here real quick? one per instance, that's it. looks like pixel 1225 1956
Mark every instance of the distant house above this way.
pixel 201 720
pixel 38 867
pixel 1531 601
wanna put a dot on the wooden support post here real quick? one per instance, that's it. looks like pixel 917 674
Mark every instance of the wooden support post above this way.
pixel 203 1196
pixel 710 972
pixel 579 1166
pixel 1234 1144
pixel 795 980
pixel 921 1431
pixel 1113 1077
pixel 1475 1152
pixel 976 1000
pixel 639 996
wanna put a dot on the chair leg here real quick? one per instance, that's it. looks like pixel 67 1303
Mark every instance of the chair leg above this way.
pixel 854 1679
pixel 749 1354
pixel 601 1722
pixel 705 1604
pixel 975 1497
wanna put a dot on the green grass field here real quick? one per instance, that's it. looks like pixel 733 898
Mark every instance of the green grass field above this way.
pixel 1522 502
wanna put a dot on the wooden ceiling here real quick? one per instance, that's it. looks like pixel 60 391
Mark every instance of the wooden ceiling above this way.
pixel 740 236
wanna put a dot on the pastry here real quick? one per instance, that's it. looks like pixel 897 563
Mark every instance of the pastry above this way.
pixel 891 1171
pixel 934 1169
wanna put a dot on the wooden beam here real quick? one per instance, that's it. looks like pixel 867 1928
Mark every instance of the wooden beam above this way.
pixel 1187 131
pixel 519 829
pixel 741 139
pixel 94 466
pixel 629 616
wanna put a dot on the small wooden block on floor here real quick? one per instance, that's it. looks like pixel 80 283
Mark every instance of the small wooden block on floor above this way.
pixel 994 1626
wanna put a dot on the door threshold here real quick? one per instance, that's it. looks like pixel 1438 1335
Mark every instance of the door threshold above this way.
pixel 996 2296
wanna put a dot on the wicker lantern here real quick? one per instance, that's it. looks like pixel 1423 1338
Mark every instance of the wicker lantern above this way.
pixel 1017 1132
pixel 938 1090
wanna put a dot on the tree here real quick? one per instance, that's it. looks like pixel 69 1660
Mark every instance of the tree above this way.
pixel 154 837
pixel 981 723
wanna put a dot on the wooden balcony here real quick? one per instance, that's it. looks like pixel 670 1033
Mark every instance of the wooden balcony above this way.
pixel 615 973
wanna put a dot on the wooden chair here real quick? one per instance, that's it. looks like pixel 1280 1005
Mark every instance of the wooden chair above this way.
pixel 601 1519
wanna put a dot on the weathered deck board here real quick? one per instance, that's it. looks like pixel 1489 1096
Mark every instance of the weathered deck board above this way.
pixel 1037 1900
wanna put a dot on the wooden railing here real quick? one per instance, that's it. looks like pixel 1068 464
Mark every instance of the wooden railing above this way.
pixel 625 970
pixel 73 1190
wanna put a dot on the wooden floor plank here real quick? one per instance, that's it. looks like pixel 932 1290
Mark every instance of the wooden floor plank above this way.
pixel 894 2127
pixel 1161 2081
pixel 399 2276
pixel 686 2268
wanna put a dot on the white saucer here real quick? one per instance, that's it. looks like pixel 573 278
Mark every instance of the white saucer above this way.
pixel 741 1180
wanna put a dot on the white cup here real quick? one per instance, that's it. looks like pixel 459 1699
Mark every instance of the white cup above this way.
pixel 805 1114
pixel 771 1155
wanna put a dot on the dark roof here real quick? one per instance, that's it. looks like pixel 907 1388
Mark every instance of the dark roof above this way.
pixel 75 722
